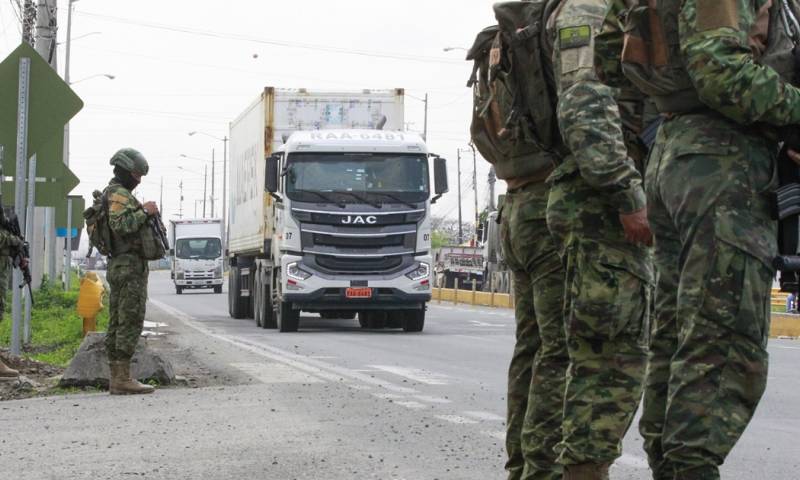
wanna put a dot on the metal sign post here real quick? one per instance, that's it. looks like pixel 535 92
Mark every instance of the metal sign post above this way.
pixel 26 331
pixel 68 247
pixel 19 194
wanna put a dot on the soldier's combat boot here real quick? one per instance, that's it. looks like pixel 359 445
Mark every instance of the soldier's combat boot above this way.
pixel 6 372
pixel 586 471
pixel 121 382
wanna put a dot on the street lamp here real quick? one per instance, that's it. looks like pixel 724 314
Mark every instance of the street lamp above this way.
pixel 224 141
pixel 450 49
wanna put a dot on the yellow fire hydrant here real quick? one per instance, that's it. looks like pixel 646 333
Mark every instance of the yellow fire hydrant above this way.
pixel 90 301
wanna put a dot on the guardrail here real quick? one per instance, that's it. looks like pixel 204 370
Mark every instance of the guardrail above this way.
pixel 783 325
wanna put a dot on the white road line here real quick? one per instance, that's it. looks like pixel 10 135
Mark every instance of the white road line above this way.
pixel 275 373
pixel 632 461
pixel 323 357
pixel 786 348
pixel 430 399
pixel 499 434
pixel 411 404
pixel 478 323
pixel 414 374
pixel 314 367
pixel 458 420
pixel 148 324
pixel 388 396
pixel 488 416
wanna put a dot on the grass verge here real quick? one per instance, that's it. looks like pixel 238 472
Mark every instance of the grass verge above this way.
pixel 56 329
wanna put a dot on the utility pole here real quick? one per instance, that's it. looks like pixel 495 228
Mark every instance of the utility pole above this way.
pixel 205 183
pixel 28 21
pixel 213 210
pixel 161 198
pixel 460 227
pixel 475 191
pixel 492 181
pixel 180 202
pixel 425 125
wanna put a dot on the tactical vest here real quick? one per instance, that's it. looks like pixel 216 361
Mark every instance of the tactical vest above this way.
pixel 514 123
pixel 652 59
pixel 122 244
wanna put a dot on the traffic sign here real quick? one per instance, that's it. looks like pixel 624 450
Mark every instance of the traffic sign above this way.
pixel 51 104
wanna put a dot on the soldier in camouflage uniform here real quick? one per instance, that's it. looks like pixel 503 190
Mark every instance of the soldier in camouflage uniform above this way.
pixel 9 245
pixel 127 269
pixel 598 217
pixel 708 182
pixel 537 371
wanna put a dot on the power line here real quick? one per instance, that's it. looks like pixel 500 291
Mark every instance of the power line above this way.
pixel 278 43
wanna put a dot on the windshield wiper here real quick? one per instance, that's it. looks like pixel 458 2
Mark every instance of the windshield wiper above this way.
pixel 361 198
pixel 327 198
pixel 395 198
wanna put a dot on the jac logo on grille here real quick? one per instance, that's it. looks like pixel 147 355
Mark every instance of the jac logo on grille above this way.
pixel 358 219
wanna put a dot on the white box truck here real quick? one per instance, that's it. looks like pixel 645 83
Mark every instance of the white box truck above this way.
pixel 197 257
pixel 328 213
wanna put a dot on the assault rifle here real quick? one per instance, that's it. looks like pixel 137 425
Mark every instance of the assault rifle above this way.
pixel 10 222
pixel 159 230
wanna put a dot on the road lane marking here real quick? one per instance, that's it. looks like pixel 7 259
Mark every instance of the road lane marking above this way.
pixel 388 396
pixel 273 372
pixel 411 404
pixel 499 434
pixel 632 461
pixel 478 323
pixel 458 420
pixel 786 348
pixel 430 399
pixel 413 374
pixel 488 416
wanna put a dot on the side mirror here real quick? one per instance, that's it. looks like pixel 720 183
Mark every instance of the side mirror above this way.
pixel 440 186
pixel 271 177
pixel 172 251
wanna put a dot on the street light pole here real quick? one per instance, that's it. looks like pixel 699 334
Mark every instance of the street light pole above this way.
pixel 213 210
pixel 460 231
pixel 205 183
pixel 475 190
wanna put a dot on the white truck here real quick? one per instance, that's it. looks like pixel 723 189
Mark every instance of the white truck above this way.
pixel 197 259
pixel 328 213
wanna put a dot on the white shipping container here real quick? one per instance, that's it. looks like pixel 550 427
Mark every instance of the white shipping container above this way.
pixel 262 128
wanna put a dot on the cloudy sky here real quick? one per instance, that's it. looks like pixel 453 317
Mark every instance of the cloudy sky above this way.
pixel 181 66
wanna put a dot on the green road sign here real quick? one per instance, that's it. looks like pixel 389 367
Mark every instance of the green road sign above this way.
pixel 51 104
pixel 53 185
pixel 78 206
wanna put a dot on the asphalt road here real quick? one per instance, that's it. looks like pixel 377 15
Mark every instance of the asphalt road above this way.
pixel 332 401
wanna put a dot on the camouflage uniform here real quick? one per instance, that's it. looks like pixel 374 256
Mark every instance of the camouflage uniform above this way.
pixel 708 180
pixel 608 279
pixel 536 373
pixel 127 273
pixel 8 244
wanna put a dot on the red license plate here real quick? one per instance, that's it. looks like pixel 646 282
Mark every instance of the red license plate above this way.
pixel 358 293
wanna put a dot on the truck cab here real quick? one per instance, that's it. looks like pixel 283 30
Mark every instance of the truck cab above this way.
pixel 197 257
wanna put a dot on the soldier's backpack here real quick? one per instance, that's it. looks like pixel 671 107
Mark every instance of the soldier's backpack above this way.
pixel 514 92
pixel 96 218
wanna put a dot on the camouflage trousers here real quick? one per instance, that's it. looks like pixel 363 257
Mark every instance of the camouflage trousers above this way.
pixel 5 274
pixel 536 373
pixel 127 277
pixel 707 183
pixel 607 305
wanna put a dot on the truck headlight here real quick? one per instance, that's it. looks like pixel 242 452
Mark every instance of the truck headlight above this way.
pixel 293 270
pixel 179 275
pixel 423 270
pixel 218 271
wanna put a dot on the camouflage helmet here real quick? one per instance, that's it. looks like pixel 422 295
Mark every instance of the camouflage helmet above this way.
pixel 130 160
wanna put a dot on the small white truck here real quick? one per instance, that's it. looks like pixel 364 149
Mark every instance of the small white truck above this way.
pixel 196 254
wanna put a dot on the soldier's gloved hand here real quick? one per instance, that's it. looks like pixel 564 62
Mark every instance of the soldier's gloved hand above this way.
pixel 151 208
pixel 23 263
pixel 637 228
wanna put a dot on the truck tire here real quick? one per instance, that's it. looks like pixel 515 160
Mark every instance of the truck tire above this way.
pixel 288 318
pixel 237 304
pixel 395 320
pixel 178 290
pixel 256 294
pixel 218 289
pixel 362 319
pixel 414 320
pixel 265 317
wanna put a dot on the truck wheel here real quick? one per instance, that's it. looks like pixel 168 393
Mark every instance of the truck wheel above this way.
pixel 178 290
pixel 218 289
pixel 394 320
pixel 256 295
pixel 288 319
pixel 235 301
pixel 414 320
pixel 363 319
pixel 347 315
pixel 266 317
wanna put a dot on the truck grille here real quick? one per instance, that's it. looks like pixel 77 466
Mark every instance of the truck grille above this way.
pixel 198 275
pixel 359 242
pixel 358 265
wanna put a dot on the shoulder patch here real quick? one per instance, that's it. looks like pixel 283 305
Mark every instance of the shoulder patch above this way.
pixel 713 14
pixel 575 37
pixel 119 199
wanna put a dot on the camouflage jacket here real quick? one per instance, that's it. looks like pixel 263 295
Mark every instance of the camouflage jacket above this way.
pixel 9 243
pixel 588 110
pixel 720 41
pixel 126 217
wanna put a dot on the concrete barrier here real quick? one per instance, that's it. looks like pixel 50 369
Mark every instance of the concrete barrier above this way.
pixel 783 325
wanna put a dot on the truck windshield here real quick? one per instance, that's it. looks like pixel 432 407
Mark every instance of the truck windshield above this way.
pixel 198 248
pixel 347 176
